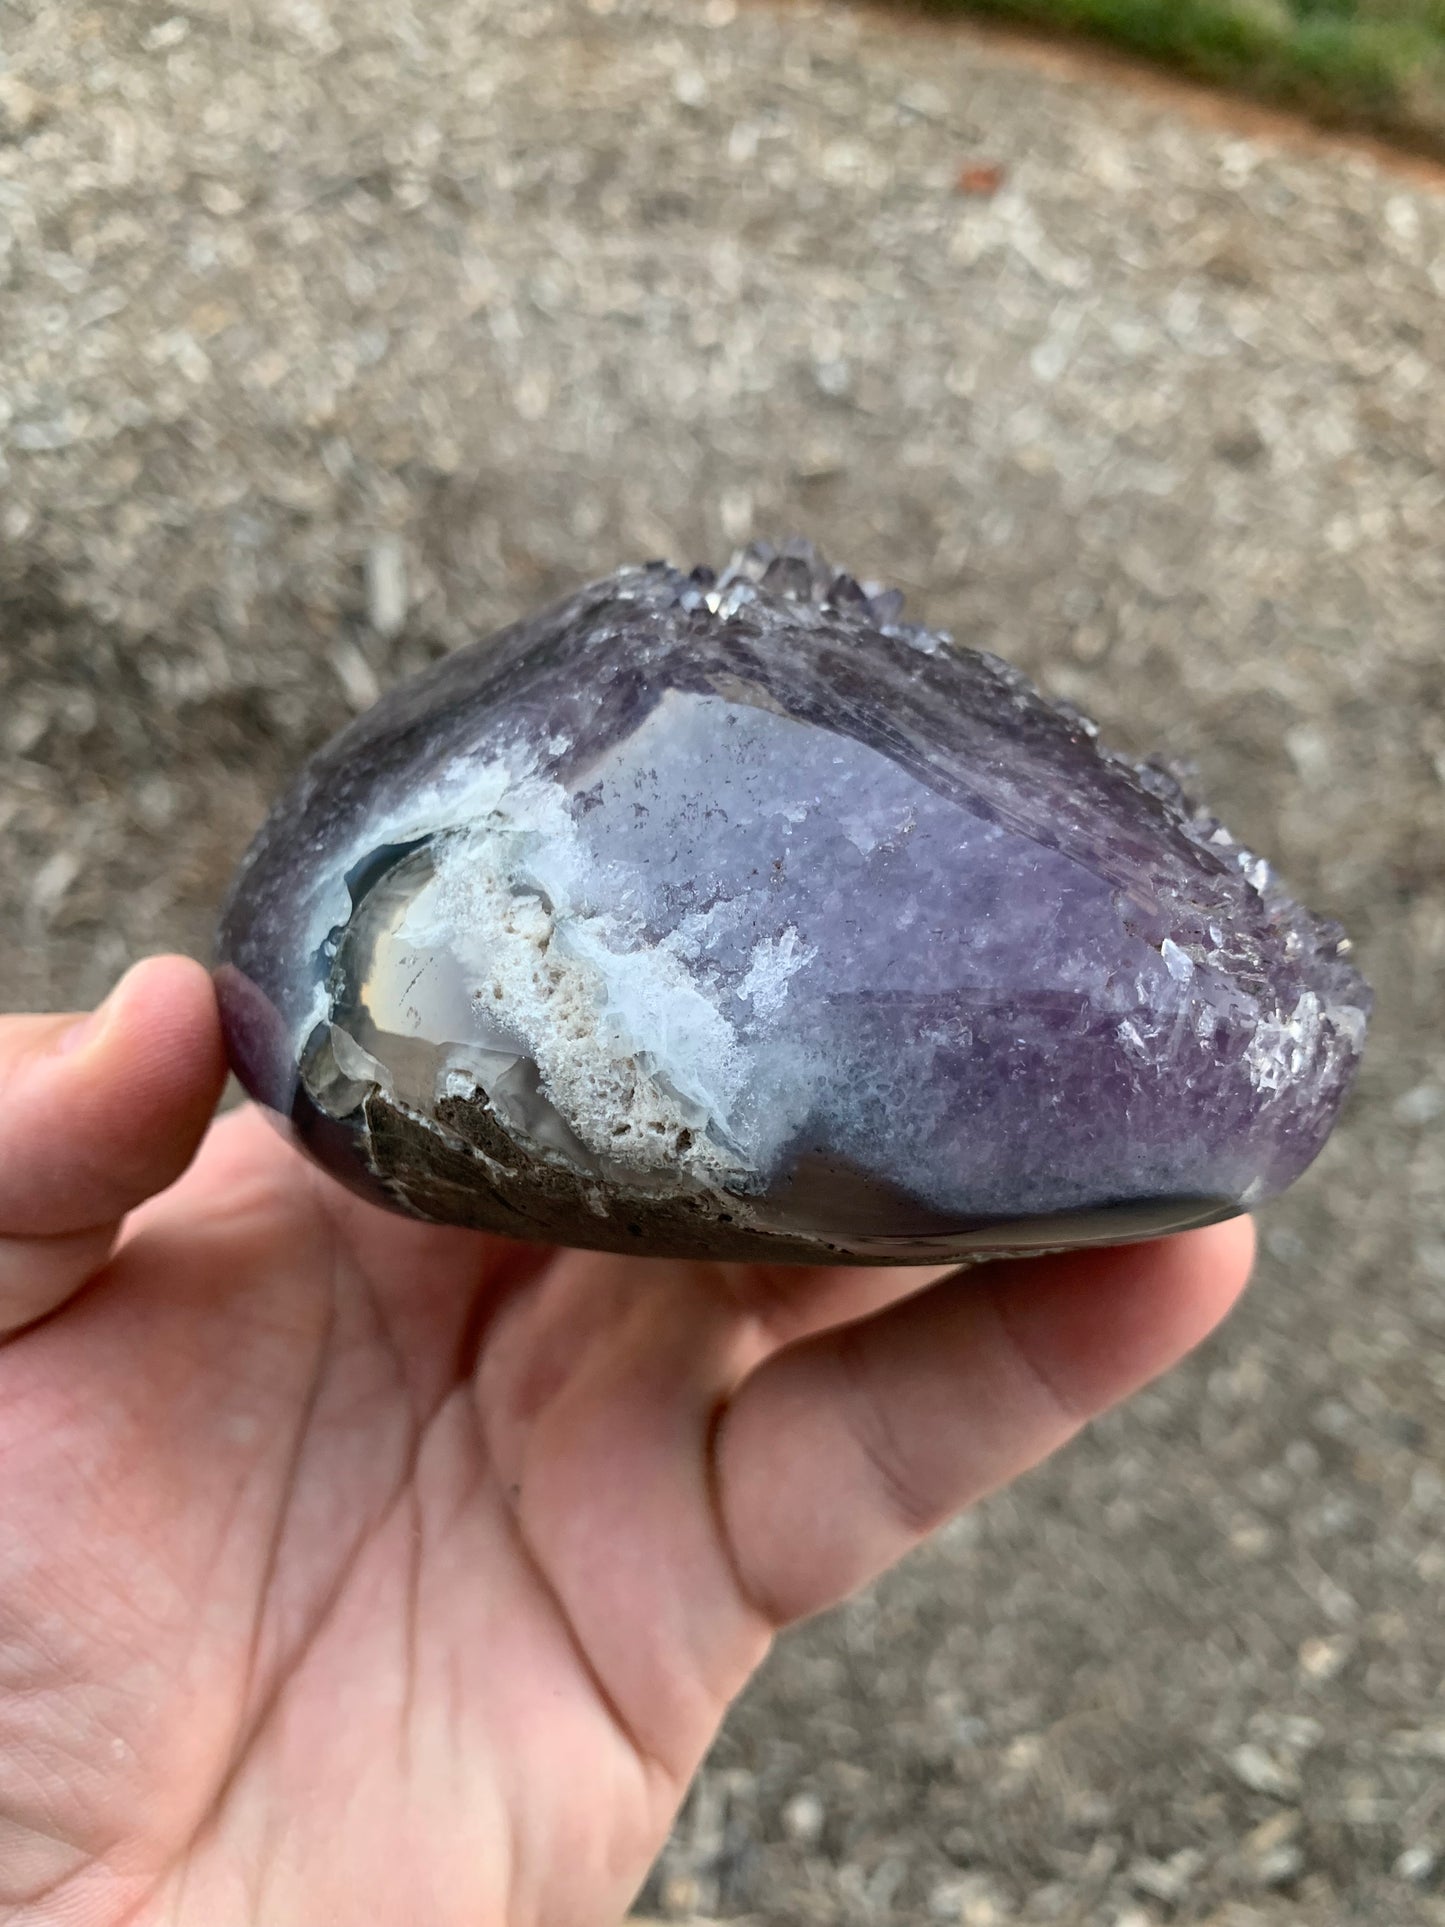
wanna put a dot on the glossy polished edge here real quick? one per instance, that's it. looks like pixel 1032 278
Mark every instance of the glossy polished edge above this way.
pixel 258 1044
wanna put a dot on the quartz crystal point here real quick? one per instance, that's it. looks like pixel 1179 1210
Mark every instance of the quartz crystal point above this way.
pixel 733 916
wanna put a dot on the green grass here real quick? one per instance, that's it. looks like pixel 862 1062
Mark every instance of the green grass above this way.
pixel 1372 64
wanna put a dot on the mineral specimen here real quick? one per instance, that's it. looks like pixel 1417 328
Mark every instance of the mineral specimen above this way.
pixel 733 916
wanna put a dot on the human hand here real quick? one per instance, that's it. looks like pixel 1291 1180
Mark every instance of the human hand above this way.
pixel 357 1573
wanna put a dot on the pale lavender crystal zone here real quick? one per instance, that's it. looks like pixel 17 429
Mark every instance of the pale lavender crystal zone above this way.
pixel 882 946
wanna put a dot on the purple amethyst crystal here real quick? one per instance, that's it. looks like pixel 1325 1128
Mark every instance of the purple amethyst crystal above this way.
pixel 735 916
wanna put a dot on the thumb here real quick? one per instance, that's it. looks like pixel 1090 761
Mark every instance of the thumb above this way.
pixel 97 1114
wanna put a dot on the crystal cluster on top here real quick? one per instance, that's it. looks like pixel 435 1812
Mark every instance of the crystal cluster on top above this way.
pixel 733 915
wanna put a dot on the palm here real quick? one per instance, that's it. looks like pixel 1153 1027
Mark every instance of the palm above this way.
pixel 360 1570
pixel 266 1417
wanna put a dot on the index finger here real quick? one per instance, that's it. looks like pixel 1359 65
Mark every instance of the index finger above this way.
pixel 844 1449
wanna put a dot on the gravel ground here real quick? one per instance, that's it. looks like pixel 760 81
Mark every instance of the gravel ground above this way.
pixel 333 331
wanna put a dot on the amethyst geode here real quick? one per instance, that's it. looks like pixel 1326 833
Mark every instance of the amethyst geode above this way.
pixel 735 917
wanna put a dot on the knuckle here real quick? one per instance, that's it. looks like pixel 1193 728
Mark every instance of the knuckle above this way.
pixel 896 1469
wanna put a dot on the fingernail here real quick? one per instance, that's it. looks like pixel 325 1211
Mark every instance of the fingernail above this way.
pixel 81 1034
pixel 86 1029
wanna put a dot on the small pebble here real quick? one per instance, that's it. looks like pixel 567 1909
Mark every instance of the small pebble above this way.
pixel 386 586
